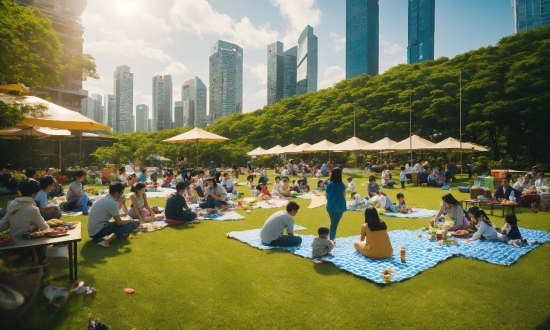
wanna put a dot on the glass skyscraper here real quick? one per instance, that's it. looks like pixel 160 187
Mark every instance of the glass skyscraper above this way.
pixel 362 37
pixel 421 31
pixel 162 102
pixel 226 79
pixel 289 85
pixel 275 73
pixel 193 97
pixel 142 117
pixel 306 69
pixel 530 14
pixel 124 96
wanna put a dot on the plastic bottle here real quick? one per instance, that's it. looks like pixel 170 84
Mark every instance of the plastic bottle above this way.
pixel 403 254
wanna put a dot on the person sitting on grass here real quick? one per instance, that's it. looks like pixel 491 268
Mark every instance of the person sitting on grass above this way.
pixel 277 187
pixel 214 193
pixel 274 226
pixel 228 184
pixel 30 173
pixel 177 208
pixel 423 176
pixel 321 185
pixel 373 188
pixel 76 195
pixel 386 203
pixel 374 242
pixel 41 199
pixel 263 174
pixel 140 207
pixel 451 207
pixel 23 215
pixel 8 184
pixel 510 232
pixel 541 181
pixel 105 209
pixel 285 188
pixel 57 187
pixel 187 177
pixel 122 176
pixel 485 228
pixel 321 245
pixel 386 178
pixel 401 206
pixel 142 177
pixel 351 186
pixel 167 183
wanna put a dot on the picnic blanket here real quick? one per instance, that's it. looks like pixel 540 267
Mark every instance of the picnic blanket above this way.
pixel 152 226
pixel 71 213
pixel 421 253
pixel 304 195
pixel 157 194
pixel 270 204
pixel 317 201
pixel 417 213
pixel 232 215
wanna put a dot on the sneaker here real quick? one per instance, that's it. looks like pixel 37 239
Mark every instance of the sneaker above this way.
pixel 194 221
pixel 104 244
pixel 516 243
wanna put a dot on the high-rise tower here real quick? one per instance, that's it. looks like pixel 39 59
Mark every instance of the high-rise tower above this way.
pixel 124 96
pixel 162 102
pixel 530 14
pixel 362 37
pixel 226 79
pixel 421 31
pixel 307 59
pixel 275 72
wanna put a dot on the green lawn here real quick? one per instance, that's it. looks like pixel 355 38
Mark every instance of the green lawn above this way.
pixel 195 277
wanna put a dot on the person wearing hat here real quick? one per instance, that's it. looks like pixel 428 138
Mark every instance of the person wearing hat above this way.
pixel 177 208
pixel 215 194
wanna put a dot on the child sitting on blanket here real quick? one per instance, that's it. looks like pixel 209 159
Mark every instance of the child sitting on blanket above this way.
pixel 351 186
pixel 321 185
pixel 485 228
pixel 510 232
pixel 385 203
pixel 401 206
pixel 321 245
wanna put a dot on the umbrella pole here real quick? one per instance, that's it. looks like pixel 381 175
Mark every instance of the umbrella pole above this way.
pixel 197 148
pixel 60 154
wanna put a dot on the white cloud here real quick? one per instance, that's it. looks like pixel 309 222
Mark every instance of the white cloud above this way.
pixel 157 22
pixel 299 14
pixel 156 54
pixel 166 41
pixel 388 47
pixel 338 41
pixel 260 71
pixel 261 94
pixel 119 46
pixel 175 68
pixel 332 75
pixel 89 19
pixel 200 17
pixel 142 98
pixel 101 87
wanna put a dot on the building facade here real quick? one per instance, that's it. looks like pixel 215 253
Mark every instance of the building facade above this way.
pixel 194 111
pixel 421 31
pixel 188 109
pixel 226 79
pixel 530 14
pixel 200 103
pixel 307 62
pixel 178 114
pixel 289 76
pixel 65 18
pixel 362 37
pixel 124 98
pixel 110 105
pixel 142 117
pixel 275 73
pixel 87 107
pixel 162 102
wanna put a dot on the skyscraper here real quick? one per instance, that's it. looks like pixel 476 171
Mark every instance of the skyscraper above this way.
pixel 275 72
pixel 193 97
pixel 200 103
pixel 530 14
pixel 142 115
pixel 87 106
pixel 65 18
pixel 306 70
pixel 188 108
pixel 178 114
pixel 124 96
pixel 111 111
pixel 98 108
pixel 421 31
pixel 226 79
pixel 289 84
pixel 162 102
pixel 361 37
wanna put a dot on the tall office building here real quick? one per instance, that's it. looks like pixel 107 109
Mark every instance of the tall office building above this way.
pixel 289 76
pixel 87 106
pixel 421 31
pixel 178 114
pixel 162 102
pixel 275 73
pixel 142 117
pixel 98 108
pixel 362 37
pixel 226 79
pixel 193 97
pixel 65 18
pixel 530 14
pixel 306 69
pixel 149 125
pixel 110 105
pixel 124 97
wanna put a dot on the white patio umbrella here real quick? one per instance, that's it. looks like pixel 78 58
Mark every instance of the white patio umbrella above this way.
pixel 351 144
pixel 197 135
pixel 300 148
pixel 381 145
pixel 324 145
pixel 451 144
pixel 415 142
pixel 256 152
pixel 288 149
pixel 276 150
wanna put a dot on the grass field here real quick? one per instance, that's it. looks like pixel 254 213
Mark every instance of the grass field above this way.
pixel 194 277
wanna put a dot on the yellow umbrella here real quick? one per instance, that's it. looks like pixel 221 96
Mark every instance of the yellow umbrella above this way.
pixel 36 131
pixel 14 87
pixel 197 135
pixel 54 116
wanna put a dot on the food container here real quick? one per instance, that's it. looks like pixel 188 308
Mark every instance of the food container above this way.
pixel 439 235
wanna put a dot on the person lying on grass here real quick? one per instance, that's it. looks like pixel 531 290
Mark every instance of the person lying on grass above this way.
pixel 274 226
pixel 177 208
pixel 99 219
pixel 140 208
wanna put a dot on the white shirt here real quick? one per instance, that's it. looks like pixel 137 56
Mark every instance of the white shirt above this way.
pixel 277 189
pixel 351 187
pixel 417 168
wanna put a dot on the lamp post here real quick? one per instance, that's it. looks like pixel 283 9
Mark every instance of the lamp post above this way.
pixel 460 120
pixel 354 109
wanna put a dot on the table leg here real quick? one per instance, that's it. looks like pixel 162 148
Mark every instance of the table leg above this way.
pixel 492 208
pixel 75 260
pixel 71 278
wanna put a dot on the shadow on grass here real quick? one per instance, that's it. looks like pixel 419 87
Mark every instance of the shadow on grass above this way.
pixel 91 254
pixel 544 325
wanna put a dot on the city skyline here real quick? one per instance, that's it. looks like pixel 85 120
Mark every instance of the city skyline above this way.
pixel 113 38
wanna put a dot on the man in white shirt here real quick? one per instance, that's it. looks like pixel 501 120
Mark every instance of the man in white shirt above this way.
pixel 274 226
pixel 417 168
pixel 277 187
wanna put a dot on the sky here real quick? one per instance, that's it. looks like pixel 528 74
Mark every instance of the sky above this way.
pixel 174 37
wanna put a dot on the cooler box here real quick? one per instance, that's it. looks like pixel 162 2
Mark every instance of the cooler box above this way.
pixel 499 174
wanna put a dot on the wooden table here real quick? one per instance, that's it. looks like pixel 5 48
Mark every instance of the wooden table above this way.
pixel 492 205
pixel 72 239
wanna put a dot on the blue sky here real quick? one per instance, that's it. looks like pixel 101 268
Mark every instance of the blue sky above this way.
pixel 174 37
